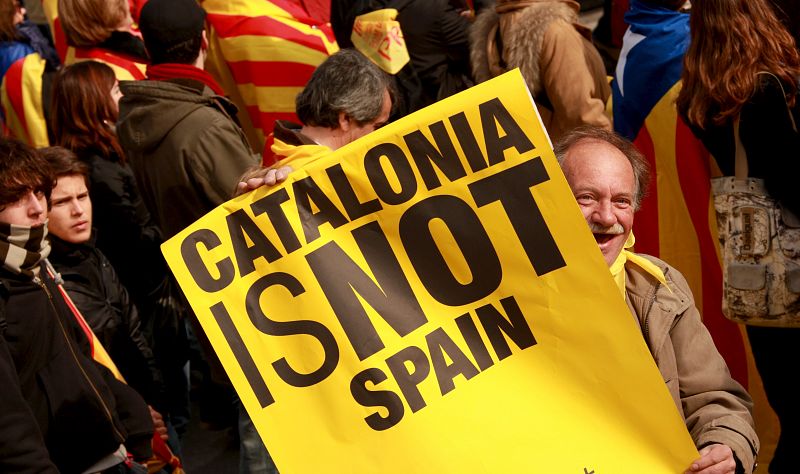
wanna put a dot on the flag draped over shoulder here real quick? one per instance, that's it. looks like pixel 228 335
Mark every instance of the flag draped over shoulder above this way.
pixel 263 52
pixel 21 97
pixel 163 458
pixel 652 54
pixel 125 68
pixel 677 220
pixel 22 87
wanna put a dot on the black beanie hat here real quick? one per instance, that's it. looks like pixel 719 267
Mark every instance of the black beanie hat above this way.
pixel 165 23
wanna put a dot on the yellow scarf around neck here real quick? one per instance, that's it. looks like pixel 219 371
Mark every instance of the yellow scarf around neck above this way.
pixel 618 267
pixel 297 156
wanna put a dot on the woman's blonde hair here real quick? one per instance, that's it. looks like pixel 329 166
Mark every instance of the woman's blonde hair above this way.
pixel 90 22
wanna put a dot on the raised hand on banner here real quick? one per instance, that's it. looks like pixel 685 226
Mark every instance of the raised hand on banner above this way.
pixel 714 459
pixel 256 178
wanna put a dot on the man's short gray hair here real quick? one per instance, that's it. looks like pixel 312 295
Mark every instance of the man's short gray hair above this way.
pixel 345 82
pixel 640 165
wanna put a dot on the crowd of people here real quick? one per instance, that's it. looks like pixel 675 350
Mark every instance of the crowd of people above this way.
pixel 95 336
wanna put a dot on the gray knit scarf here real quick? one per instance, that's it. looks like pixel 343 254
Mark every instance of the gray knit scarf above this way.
pixel 22 248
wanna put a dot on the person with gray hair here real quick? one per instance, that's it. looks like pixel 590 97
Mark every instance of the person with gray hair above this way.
pixel 346 86
pixel 608 178
pixel 346 98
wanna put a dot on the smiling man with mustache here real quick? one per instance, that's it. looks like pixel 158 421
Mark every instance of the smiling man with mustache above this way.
pixel 609 178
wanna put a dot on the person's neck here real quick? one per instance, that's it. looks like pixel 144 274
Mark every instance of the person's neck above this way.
pixel 200 62
pixel 125 28
pixel 324 136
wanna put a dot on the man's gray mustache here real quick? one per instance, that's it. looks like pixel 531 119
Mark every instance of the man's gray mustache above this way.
pixel 615 229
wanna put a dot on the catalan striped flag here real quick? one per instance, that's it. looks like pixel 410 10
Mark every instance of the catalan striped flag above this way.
pixel 125 68
pixel 677 221
pixel 21 90
pixel 21 99
pixel 262 52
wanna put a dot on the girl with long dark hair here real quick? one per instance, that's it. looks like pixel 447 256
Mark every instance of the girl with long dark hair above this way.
pixel 83 113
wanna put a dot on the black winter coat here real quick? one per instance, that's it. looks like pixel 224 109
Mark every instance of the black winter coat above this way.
pixel 52 390
pixel 94 287
pixel 126 233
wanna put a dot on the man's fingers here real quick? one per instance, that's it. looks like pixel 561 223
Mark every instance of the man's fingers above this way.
pixel 162 432
pixel 241 188
pixel 254 183
pixel 714 459
pixel 262 177
pixel 158 423
pixel 705 459
pixel 282 173
pixel 724 468
pixel 256 173
pixel 269 178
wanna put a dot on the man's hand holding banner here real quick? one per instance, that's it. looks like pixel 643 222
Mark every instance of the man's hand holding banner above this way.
pixel 429 299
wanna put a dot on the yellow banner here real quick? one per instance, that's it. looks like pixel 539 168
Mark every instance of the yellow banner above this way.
pixel 429 299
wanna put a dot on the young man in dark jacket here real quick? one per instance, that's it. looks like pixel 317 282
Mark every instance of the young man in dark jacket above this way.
pixel 91 281
pixel 59 409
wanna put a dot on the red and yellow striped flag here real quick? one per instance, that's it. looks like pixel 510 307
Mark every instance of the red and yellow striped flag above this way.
pixel 677 221
pixel 21 98
pixel 125 69
pixel 262 52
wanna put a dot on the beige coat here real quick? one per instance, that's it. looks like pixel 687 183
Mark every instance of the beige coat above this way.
pixel 561 66
pixel 716 408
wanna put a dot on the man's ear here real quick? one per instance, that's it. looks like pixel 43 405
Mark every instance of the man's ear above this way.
pixel 204 42
pixel 344 122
